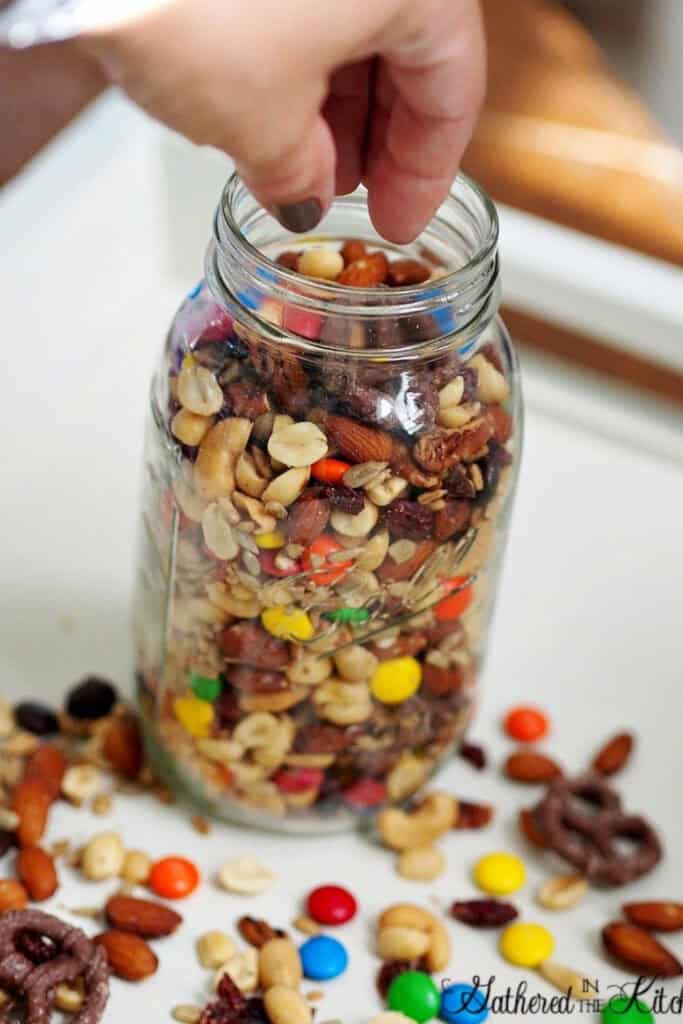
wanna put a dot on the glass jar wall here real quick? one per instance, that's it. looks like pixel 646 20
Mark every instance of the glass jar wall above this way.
pixel 332 447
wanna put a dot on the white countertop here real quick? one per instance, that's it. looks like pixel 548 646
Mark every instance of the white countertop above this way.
pixel 100 243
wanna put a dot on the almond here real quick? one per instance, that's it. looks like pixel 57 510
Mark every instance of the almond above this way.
pixel 49 764
pixel 146 918
pixel 353 249
pixel 122 746
pixel 249 644
pixel 614 755
pixel 638 950
pixel 441 681
pixel 452 519
pixel 529 828
pixel 531 766
pixel 658 915
pixel 471 815
pixel 397 572
pixel 13 895
pixel 255 931
pixel 36 871
pixel 307 520
pixel 357 442
pixel 31 802
pixel 366 272
pixel 407 272
pixel 129 956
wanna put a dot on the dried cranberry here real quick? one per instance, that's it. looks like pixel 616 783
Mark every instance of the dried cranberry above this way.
pixel 409 519
pixel 92 698
pixel 483 913
pixel 36 718
pixel 38 948
pixel 365 793
pixel 255 1012
pixel 474 754
pixel 391 970
pixel 343 498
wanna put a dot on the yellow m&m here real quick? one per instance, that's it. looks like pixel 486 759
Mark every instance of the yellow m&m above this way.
pixel 270 541
pixel 500 874
pixel 194 715
pixel 396 680
pixel 288 625
pixel 526 944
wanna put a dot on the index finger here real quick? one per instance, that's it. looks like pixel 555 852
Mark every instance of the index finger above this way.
pixel 428 97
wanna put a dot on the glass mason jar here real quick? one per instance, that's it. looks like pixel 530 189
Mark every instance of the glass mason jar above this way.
pixel 330 465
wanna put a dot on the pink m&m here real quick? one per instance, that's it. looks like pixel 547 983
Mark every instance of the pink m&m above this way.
pixel 331 904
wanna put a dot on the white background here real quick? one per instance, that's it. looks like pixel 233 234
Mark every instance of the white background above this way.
pixel 102 237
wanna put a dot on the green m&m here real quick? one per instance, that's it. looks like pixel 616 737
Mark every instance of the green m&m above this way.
pixel 414 994
pixel 204 687
pixel 622 1010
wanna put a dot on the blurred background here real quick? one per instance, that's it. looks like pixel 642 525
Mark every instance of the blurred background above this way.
pixel 583 128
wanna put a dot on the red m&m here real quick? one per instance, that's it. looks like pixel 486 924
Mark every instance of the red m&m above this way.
pixel 331 904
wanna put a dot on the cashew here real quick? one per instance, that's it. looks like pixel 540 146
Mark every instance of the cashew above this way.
pixel 189 427
pixel 279 964
pixel 323 263
pixel 265 796
pixel 356 526
pixel 398 943
pixel 280 701
pixel 247 477
pixel 273 754
pixel 374 552
pixel 217 455
pixel 402 830
pixel 257 730
pixel 197 388
pixel 308 669
pixel 492 386
pixel 355 663
pixel 383 492
pixel 188 500
pixel 454 416
pixel 240 607
pixel 343 703
pixel 407 915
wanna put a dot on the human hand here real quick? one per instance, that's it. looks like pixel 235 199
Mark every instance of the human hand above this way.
pixel 312 97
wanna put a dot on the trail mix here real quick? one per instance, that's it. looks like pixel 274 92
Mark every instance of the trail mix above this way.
pixel 321 532
pixel 47 963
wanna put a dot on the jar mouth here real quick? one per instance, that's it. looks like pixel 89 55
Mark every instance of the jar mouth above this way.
pixel 463 231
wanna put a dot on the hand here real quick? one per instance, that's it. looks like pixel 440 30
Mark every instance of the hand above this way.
pixel 311 97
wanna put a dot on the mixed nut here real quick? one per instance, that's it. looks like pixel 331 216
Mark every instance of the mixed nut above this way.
pixel 321 530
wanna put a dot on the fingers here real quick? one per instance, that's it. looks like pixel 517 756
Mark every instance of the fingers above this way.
pixel 346 112
pixel 295 182
pixel 426 104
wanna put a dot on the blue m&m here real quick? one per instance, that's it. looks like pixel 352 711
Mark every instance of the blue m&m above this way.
pixel 463 1004
pixel 323 958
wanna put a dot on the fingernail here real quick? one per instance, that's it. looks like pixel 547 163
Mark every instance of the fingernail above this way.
pixel 299 217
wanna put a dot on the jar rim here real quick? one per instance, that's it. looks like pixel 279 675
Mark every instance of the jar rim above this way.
pixel 469 291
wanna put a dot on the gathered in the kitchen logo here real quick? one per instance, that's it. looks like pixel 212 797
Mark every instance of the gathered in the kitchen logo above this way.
pixel 463 1002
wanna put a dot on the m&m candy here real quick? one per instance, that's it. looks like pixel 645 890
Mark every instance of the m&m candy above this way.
pixel 331 904
pixel 414 994
pixel 323 958
pixel 526 945
pixel 463 1004
pixel 173 878
pixel 624 1010
pixel 526 724
pixel 500 874
pixel 395 680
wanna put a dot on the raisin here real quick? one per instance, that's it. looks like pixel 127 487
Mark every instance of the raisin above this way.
pixel 36 718
pixel 458 483
pixel 255 680
pixel 391 970
pixel 474 754
pixel 471 815
pixel 483 913
pixel 246 400
pixel 343 498
pixel 227 710
pixel 249 644
pixel 255 1012
pixel 90 699
pixel 321 739
pixel 408 519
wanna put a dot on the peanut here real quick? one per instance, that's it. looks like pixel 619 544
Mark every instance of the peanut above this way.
pixel 562 892
pixel 285 1006
pixel 492 387
pixel 215 949
pixel 407 915
pixel 374 552
pixel 288 486
pixel 81 782
pixel 189 427
pixel 197 388
pixel 359 525
pixel 298 445
pixel 136 867
pixel 279 964
pixel 308 669
pixel 245 875
pixel 323 263
pixel 355 663
pixel 400 943
pixel 242 969
pixel 103 857
pixel 421 864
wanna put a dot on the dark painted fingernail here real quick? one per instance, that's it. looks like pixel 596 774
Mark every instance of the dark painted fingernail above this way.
pixel 299 217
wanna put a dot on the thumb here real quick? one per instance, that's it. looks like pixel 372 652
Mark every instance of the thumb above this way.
pixel 296 183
